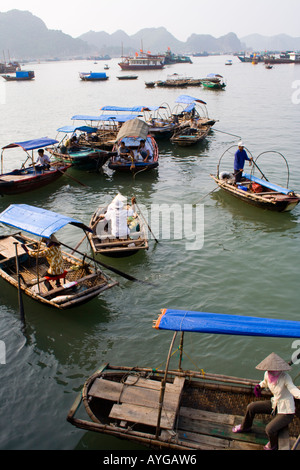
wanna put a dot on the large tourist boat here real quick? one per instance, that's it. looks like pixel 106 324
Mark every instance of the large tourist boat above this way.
pixel 142 61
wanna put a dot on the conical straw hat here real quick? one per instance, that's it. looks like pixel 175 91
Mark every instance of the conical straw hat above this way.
pixel 273 362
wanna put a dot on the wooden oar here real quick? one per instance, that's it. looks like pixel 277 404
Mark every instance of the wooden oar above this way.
pixel 110 268
pixel 21 306
pixel 72 178
pixel 194 205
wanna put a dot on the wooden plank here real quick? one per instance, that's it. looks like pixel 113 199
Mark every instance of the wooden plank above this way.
pixel 133 394
pixel 221 428
pixel 65 287
pixel 202 415
pixel 7 248
pixel 204 441
pixel 143 415
pixel 177 385
pixel 284 439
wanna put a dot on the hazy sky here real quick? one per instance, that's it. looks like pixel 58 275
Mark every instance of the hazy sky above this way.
pixel 180 17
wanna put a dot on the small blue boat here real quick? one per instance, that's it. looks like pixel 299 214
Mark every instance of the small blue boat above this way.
pixel 93 76
pixel 20 75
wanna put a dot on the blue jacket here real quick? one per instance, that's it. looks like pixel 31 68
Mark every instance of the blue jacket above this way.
pixel 239 159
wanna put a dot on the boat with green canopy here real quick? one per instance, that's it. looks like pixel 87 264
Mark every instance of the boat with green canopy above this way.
pixel 179 409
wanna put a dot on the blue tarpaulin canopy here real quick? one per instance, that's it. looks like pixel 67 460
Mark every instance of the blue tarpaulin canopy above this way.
pixel 104 117
pixel 188 99
pixel 70 129
pixel 267 184
pixel 134 109
pixel 40 222
pixel 32 144
pixel 203 322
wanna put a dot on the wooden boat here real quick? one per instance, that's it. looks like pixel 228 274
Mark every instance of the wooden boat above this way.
pixel 104 243
pixel 127 77
pixel 83 155
pixel 31 177
pixel 214 82
pixel 20 75
pixel 257 191
pixel 84 158
pixel 150 84
pixel 82 282
pixel 93 76
pixel 173 408
pixel 188 135
pixel 107 126
pixel 132 132
pixel 191 108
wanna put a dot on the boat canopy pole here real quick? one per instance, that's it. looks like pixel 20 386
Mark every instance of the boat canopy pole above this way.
pixel 163 387
pixel 287 165
pixel 181 350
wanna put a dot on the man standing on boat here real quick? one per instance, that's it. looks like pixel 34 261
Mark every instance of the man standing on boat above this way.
pixel 239 161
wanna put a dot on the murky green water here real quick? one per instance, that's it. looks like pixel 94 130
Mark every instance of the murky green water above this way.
pixel 249 263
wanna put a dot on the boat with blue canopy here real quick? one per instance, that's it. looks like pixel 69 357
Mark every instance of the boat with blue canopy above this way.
pixel 80 151
pixel 20 76
pixel 159 118
pixel 30 176
pixel 183 409
pixel 194 123
pixel 24 260
pixel 134 160
pixel 107 126
pixel 93 76
pixel 258 191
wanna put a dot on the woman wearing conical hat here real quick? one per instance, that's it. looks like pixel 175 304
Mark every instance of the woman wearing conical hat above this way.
pixel 281 405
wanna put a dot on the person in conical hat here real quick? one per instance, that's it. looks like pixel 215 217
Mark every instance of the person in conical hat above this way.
pixel 282 404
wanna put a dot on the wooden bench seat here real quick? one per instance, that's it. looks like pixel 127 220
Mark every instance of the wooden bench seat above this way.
pixel 137 400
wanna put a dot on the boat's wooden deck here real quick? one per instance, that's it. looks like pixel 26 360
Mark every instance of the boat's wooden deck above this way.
pixel 136 402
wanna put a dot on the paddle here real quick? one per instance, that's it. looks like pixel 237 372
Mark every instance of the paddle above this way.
pixel 72 178
pixel 110 268
pixel 21 306
pixel 194 205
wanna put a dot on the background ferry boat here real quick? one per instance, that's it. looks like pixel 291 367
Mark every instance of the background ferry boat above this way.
pixel 144 61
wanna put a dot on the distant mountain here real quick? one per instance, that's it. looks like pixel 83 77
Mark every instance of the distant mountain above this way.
pixel 158 40
pixel 26 36
pixel 280 42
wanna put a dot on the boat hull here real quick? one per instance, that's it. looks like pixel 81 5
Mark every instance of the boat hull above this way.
pixel 141 67
pixel 281 203
pixel 19 181
pixel 88 160
pixel 198 413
